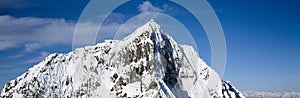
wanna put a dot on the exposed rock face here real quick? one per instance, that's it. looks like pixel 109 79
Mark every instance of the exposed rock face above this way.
pixel 147 63
pixel 229 91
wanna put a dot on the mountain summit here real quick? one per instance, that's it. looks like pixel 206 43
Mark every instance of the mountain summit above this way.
pixel 146 63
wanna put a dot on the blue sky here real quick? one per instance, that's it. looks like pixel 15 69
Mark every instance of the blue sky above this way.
pixel 262 37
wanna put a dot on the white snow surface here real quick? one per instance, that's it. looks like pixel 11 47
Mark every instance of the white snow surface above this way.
pixel 147 63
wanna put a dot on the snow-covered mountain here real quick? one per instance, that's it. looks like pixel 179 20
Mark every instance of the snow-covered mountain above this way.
pixel 146 63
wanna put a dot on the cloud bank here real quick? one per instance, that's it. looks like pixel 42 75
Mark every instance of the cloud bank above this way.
pixel 33 33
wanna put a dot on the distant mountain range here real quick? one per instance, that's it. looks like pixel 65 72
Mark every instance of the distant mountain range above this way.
pixel 146 63
pixel 256 94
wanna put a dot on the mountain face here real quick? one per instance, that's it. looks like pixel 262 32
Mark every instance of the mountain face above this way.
pixel 146 63
pixel 229 91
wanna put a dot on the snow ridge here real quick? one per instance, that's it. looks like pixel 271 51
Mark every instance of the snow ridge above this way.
pixel 147 63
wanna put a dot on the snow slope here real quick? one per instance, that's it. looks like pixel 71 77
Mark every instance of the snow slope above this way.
pixel 146 63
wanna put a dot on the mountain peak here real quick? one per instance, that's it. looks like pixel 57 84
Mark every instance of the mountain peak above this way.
pixel 151 20
pixel 153 24
pixel 152 27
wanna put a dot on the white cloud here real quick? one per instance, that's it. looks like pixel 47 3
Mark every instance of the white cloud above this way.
pixel 7 44
pixel 34 33
pixel 15 32
pixel 32 46
pixel 148 7
pixel 16 56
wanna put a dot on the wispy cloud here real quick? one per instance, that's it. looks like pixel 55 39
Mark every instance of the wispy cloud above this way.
pixel 32 47
pixel 9 71
pixel 16 56
pixel 34 33
pixel 5 66
pixel 12 3
pixel 37 59
pixel 29 31
pixel 148 7
pixel 7 44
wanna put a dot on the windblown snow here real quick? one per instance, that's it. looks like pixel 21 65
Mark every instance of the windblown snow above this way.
pixel 147 63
